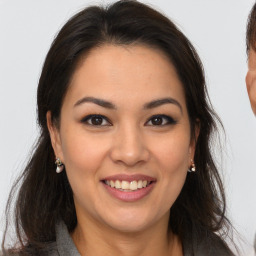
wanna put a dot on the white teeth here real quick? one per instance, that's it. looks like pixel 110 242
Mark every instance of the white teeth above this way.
pixel 133 185
pixel 118 184
pixel 144 183
pixel 112 183
pixel 126 185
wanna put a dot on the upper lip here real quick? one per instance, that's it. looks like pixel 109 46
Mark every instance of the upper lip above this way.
pixel 129 178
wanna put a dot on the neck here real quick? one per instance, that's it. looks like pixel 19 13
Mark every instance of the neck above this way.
pixel 95 240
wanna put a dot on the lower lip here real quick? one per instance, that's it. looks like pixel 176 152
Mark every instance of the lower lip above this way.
pixel 129 196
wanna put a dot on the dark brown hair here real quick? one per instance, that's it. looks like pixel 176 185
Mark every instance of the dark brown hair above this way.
pixel 44 197
pixel 251 30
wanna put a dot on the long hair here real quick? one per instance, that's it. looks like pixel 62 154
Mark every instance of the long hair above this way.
pixel 44 198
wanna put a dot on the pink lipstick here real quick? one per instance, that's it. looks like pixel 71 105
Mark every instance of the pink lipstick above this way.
pixel 129 188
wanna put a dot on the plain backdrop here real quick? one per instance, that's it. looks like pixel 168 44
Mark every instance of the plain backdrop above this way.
pixel 217 30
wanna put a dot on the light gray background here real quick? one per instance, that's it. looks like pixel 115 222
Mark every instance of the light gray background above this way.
pixel 217 30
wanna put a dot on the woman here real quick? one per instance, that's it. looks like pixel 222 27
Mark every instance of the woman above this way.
pixel 123 164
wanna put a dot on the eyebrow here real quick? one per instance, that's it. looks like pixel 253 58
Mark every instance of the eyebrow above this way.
pixel 100 102
pixel 160 102
pixel 109 105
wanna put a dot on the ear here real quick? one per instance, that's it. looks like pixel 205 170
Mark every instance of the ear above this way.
pixel 193 140
pixel 55 136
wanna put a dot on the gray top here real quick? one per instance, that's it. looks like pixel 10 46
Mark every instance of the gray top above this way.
pixel 211 245
pixel 64 245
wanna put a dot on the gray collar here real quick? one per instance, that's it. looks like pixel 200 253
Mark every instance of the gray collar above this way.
pixel 65 244
pixel 210 245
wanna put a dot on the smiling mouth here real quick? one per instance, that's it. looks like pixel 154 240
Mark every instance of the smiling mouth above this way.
pixel 128 186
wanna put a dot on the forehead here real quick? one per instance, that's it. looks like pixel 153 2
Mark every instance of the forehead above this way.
pixel 116 72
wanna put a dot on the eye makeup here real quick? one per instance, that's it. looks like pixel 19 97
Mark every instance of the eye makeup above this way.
pixel 161 120
pixel 96 120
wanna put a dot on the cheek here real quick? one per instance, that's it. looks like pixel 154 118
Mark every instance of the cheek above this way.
pixel 251 88
pixel 252 91
pixel 251 84
pixel 174 169
pixel 173 154
pixel 84 156
pixel 82 153
pixel 173 159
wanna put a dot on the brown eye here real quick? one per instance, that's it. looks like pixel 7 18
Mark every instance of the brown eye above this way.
pixel 157 120
pixel 96 120
pixel 160 120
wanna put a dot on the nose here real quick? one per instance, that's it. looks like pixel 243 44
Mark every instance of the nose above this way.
pixel 129 147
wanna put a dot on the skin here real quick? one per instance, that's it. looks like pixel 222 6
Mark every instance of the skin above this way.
pixel 251 79
pixel 126 142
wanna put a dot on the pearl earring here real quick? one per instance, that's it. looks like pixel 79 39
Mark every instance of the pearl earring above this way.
pixel 60 165
pixel 192 167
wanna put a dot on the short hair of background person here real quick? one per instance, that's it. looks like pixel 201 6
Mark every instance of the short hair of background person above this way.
pixel 251 53
pixel 45 198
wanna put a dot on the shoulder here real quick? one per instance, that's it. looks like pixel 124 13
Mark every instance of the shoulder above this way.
pixel 63 246
pixel 206 243
pixel 213 245
pixel 50 249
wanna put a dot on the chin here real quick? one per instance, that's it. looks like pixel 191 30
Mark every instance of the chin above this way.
pixel 134 222
pixel 130 227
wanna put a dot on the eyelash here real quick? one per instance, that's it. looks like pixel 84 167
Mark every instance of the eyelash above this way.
pixel 88 120
pixel 168 120
pixel 164 120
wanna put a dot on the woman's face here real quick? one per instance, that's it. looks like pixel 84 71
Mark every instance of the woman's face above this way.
pixel 124 137
pixel 251 79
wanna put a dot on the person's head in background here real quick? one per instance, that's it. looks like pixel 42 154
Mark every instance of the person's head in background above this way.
pixel 251 52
